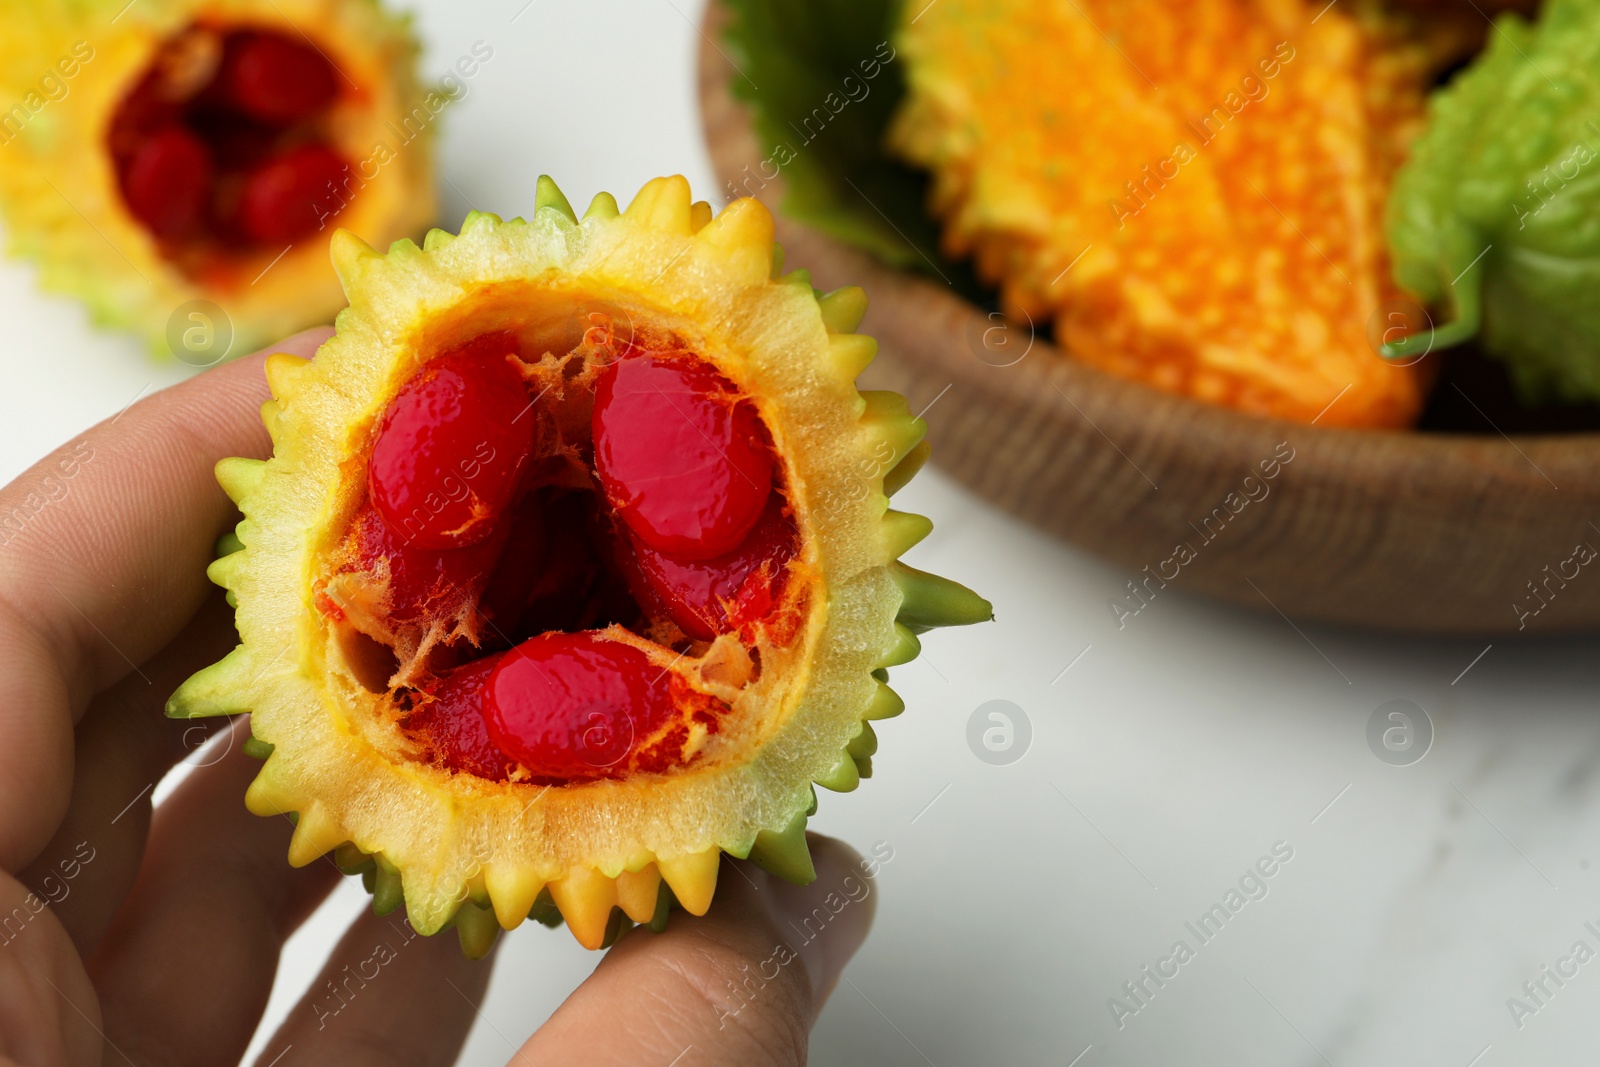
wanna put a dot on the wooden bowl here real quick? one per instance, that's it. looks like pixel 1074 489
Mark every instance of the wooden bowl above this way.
pixel 1441 532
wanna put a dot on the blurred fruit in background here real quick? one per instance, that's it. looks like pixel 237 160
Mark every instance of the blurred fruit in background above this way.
pixel 170 154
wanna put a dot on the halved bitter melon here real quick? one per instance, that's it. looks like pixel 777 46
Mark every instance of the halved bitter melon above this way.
pixel 1192 192
pixel 573 567
pixel 163 152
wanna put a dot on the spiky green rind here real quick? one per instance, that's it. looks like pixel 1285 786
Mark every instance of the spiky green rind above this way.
pixel 842 777
pixel 906 469
pixel 852 353
pixel 785 853
pixel 903 649
pixel 603 206
pixel 545 911
pixel 256 749
pixel 616 926
pixel 886 703
pixel 865 743
pixel 843 309
pixel 351 860
pixel 240 477
pixel 665 902
pixel 220 689
pixel 549 195
pixel 903 531
pixel 889 417
pixel 388 891
pixel 928 600
pixel 477 928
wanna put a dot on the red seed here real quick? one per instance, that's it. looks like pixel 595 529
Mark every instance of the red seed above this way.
pixel 575 706
pixel 450 713
pixel 683 461
pixel 709 597
pixel 450 450
pixel 275 80
pixel 167 182
pixel 423 584
pixel 292 195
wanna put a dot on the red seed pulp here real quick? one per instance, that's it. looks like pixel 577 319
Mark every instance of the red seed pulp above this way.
pixel 223 142
pixel 288 196
pixel 683 460
pixel 450 450
pixel 168 182
pixel 487 502
pixel 451 715
pixel 423 584
pixel 274 80
pixel 575 706
pixel 720 595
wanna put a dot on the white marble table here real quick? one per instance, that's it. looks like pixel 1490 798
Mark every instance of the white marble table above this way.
pixel 1166 759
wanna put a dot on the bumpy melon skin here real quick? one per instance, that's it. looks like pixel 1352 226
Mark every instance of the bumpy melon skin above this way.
pixel 59 193
pixel 1219 238
pixel 599 854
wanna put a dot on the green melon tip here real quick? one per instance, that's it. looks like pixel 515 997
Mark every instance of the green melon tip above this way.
pixel 549 195
pixel 350 859
pixel 843 309
pixel 477 929
pixel 865 743
pixel 665 901
pixel 545 913
pixel 785 852
pixel 213 690
pixel 480 220
pixel 842 777
pixel 603 206
pixel 617 925
pixel 907 468
pixel 388 891
pixel 928 600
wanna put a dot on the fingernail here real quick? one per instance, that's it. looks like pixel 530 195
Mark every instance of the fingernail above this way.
pixel 826 921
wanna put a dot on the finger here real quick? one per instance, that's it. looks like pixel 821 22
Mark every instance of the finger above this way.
pixel 186 967
pixel 741 986
pixel 103 547
pixel 112 566
pixel 123 747
pixel 48 1010
pixel 387 997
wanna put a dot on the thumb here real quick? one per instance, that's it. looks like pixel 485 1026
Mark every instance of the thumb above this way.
pixel 743 985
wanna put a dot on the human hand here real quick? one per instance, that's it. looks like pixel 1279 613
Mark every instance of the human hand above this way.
pixel 132 935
